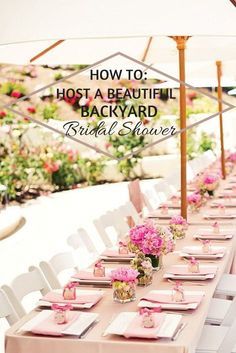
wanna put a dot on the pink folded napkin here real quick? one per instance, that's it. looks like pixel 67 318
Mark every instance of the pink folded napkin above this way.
pixel 54 297
pixel 198 250
pixel 167 298
pixel 49 327
pixel 183 270
pixel 86 275
pixel 115 253
pixel 135 328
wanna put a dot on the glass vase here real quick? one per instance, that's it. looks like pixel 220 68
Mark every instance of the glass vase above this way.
pixel 156 262
pixel 124 292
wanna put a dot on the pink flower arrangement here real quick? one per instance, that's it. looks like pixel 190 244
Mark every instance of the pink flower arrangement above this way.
pixel 194 199
pixel 179 220
pixel 152 244
pixel 139 232
pixel 152 240
pixel 232 157
pixel 210 179
pixel 124 274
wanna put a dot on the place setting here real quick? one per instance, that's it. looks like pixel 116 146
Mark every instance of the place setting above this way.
pixel 193 270
pixel 163 212
pixel 173 299
pixel 204 251
pixel 121 253
pixel 146 324
pixel 60 321
pixel 98 275
pixel 214 232
pixel 71 295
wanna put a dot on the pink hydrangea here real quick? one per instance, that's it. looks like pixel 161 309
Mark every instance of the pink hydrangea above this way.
pixel 178 220
pixel 194 198
pixel 124 274
pixel 138 233
pixel 152 244
pixel 210 179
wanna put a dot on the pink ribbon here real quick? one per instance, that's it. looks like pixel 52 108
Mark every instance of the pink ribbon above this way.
pixel 122 244
pixel 98 264
pixel 57 307
pixel 70 285
pixel 148 312
pixel 178 286
pixel 215 225
pixel 193 261
pixel 206 241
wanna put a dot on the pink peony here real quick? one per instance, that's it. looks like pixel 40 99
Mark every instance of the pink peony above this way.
pixel 124 274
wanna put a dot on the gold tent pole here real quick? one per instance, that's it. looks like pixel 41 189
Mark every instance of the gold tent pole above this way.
pixel 147 49
pixel 46 50
pixel 181 45
pixel 219 93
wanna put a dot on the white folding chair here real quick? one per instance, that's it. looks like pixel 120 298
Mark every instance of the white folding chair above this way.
pixel 151 199
pixel 84 249
pixel 227 285
pixel 7 310
pixel 111 227
pixel 217 339
pixel 129 211
pixel 58 270
pixel 163 190
pixel 24 284
pixel 221 311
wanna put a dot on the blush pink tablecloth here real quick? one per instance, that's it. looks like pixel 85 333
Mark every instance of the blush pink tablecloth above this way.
pixel 94 342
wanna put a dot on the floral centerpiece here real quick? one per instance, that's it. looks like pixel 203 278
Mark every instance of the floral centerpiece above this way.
pixel 124 281
pixel 194 202
pixel 143 265
pixel 153 241
pixel 178 226
pixel 208 183
pixel 232 157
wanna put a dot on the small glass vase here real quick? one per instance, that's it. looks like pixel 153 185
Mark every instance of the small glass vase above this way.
pixel 178 231
pixel 145 280
pixel 156 262
pixel 124 292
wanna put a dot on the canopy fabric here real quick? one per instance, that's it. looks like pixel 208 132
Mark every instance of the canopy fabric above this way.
pixel 61 19
pixel 162 50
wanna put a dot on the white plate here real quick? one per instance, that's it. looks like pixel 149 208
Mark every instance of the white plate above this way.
pixel 119 325
pixel 158 214
pixel 186 254
pixel 75 329
pixel 213 236
pixel 171 306
pixel 218 216
pixel 189 277
pixel 75 306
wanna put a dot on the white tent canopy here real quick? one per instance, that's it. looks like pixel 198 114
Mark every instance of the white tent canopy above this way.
pixel 60 19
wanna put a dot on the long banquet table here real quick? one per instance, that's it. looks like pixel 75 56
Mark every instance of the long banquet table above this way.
pixel 95 342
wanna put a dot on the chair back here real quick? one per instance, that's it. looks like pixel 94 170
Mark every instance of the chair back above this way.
pixel 231 314
pixel 58 263
pixel 229 340
pixel 7 310
pixel 24 284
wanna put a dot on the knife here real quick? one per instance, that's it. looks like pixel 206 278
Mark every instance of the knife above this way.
pixel 178 331
pixel 88 328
